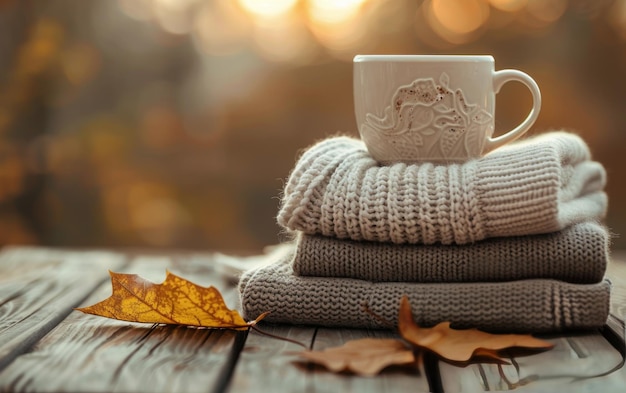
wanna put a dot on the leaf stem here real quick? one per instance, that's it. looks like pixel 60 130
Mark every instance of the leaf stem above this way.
pixel 256 329
pixel 379 318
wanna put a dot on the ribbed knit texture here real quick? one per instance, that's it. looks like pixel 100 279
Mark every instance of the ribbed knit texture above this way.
pixel 517 306
pixel 577 254
pixel 507 242
pixel 538 185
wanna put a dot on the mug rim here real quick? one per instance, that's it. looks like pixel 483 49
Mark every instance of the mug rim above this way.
pixel 422 58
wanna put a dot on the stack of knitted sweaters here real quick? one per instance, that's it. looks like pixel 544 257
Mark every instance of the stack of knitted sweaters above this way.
pixel 508 242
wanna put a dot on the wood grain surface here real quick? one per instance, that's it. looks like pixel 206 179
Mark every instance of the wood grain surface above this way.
pixel 47 347
pixel 583 361
pixel 38 289
pixel 103 355
pixel 268 364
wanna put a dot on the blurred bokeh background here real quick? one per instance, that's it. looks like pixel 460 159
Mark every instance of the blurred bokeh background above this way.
pixel 173 123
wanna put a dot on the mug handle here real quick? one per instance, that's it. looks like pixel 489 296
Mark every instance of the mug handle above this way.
pixel 500 78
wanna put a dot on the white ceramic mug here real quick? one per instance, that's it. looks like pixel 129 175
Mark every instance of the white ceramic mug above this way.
pixel 412 108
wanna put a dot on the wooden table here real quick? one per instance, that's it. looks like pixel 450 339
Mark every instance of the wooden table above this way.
pixel 45 346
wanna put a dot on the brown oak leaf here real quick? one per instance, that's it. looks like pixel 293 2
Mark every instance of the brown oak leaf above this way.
pixel 461 345
pixel 175 301
pixel 369 356
pixel 365 357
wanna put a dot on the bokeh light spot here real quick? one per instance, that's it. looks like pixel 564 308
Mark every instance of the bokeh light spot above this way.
pixel 460 16
pixel 220 28
pixel 136 9
pixel 285 41
pixel 547 11
pixel 330 11
pixel 508 5
pixel 267 8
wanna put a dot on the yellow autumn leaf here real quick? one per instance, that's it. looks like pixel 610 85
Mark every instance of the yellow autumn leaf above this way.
pixel 175 301
pixel 460 345
pixel 366 357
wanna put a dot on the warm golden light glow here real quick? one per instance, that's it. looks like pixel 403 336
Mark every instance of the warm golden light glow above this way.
pixel 617 17
pixel 267 8
pixel 80 63
pixel 175 4
pixel 460 16
pixel 337 25
pixel 547 11
pixel 453 21
pixel 509 5
pixel 174 15
pixel 155 122
pixel 341 38
pixel 137 9
pixel 286 41
pixel 330 11
pixel 154 212
pixel 292 31
pixel 220 29
pixel 175 22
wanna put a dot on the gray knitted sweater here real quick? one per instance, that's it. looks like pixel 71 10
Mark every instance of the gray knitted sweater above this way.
pixel 517 306
pixel 539 185
pixel 577 254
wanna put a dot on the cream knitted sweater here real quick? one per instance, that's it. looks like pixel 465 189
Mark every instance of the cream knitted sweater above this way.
pixel 539 185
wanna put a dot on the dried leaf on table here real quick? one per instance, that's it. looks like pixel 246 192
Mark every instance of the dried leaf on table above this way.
pixel 175 301
pixel 366 357
pixel 461 345
pixel 369 356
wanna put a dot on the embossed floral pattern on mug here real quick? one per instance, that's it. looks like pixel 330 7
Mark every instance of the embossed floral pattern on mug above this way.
pixel 427 118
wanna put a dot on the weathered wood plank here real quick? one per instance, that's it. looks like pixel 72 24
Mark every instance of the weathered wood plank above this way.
pixel 616 271
pixel 574 360
pixel 87 353
pixel 395 379
pixel 267 365
pixel 579 360
pixel 39 287
pixel 578 356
